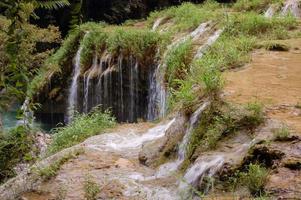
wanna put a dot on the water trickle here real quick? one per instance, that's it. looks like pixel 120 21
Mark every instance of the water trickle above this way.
pixel 170 167
pixel 157 24
pixel 293 7
pixel 130 141
pixel 204 167
pixel 192 124
pixel 209 43
pixel 270 11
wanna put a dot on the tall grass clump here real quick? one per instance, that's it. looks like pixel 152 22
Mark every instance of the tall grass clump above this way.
pixel 188 16
pixel 253 24
pixel 254 5
pixel 132 41
pixel 178 62
pixel 82 127
pixel 282 133
pixel 255 179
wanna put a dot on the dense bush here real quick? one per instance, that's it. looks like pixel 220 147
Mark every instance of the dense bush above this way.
pixel 16 146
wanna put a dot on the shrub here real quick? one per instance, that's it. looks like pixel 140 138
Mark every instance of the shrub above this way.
pixel 15 147
pixel 255 179
pixel 91 189
pixel 82 127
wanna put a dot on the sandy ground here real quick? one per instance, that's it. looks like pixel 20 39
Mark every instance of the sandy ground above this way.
pixel 272 78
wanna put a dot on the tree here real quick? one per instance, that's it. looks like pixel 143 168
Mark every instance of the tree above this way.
pixel 14 77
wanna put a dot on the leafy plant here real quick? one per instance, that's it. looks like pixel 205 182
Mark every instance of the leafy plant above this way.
pixel 15 147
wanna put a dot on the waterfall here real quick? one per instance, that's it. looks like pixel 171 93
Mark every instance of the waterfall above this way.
pixel 133 88
pixel 73 91
pixel 120 70
pixel 87 83
pixel 291 6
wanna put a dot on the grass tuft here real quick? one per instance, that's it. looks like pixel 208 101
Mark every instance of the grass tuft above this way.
pixel 81 128
pixel 91 188
pixel 282 134
pixel 255 179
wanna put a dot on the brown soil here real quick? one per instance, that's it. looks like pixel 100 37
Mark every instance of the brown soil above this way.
pixel 272 78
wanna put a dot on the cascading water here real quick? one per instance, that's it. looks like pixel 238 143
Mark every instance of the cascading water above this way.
pixel 204 167
pixel 168 168
pixel 157 91
pixel 293 7
pixel 73 92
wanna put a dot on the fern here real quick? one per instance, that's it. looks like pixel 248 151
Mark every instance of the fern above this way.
pixel 52 4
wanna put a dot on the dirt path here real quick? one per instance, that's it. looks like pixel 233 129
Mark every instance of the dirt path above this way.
pixel 272 78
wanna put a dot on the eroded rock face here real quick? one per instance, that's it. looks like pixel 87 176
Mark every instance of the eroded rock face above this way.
pixel 156 151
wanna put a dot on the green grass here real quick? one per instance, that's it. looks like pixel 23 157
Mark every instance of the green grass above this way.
pixel 188 16
pixel 81 128
pixel 50 171
pixel 256 116
pixel 254 5
pixel 178 60
pixel 16 146
pixel 219 121
pixel 253 24
pixel 255 179
pixel 282 133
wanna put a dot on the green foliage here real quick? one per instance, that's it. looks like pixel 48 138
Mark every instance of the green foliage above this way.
pixel 50 171
pixel 91 189
pixel 82 127
pixel 139 43
pixel 15 147
pixel 256 115
pixel 282 133
pixel 53 65
pixel 255 179
pixel 254 5
pixel 188 16
pixel 178 62
pixel 252 24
